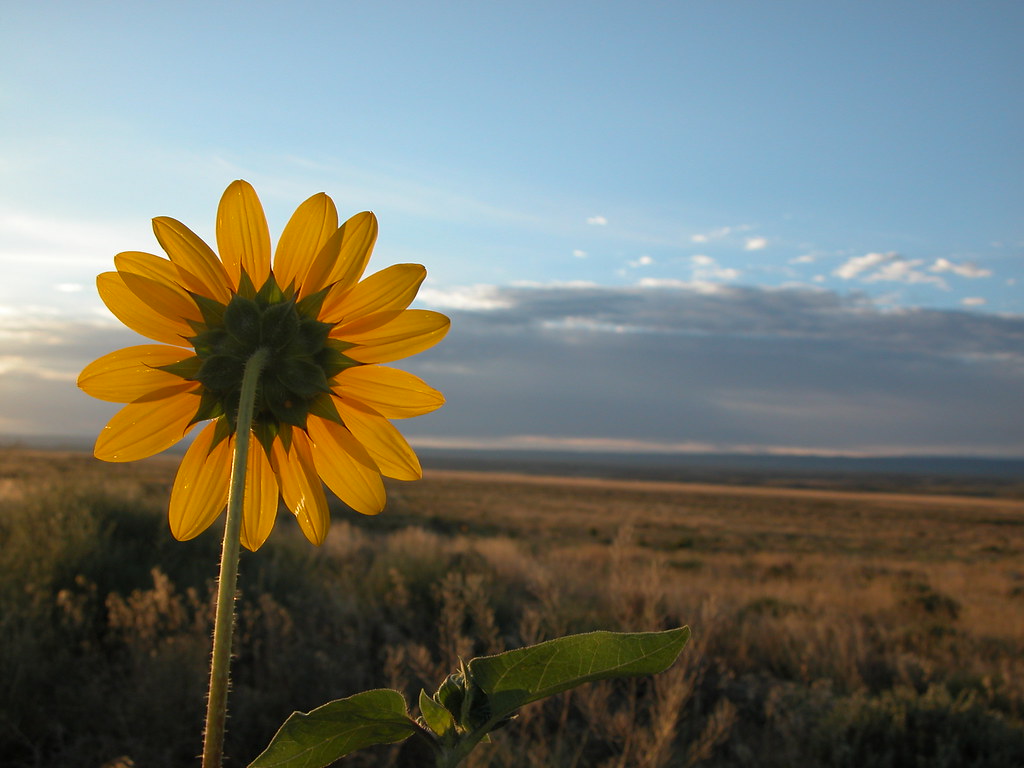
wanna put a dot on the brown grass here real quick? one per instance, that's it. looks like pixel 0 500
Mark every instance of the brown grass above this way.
pixel 829 628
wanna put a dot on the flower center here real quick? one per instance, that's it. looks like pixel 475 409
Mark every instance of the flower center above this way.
pixel 302 358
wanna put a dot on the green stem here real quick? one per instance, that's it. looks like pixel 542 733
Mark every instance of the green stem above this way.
pixel 449 757
pixel 224 623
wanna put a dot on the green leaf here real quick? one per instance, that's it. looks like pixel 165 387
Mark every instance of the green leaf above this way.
pixel 332 731
pixel 514 678
pixel 437 718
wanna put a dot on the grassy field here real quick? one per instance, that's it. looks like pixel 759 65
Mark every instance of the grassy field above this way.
pixel 830 628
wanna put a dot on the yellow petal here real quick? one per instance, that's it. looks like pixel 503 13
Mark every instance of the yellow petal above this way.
pixel 382 441
pixel 199 268
pixel 142 429
pixel 305 234
pixel 200 490
pixel 261 496
pixel 345 466
pixel 413 331
pixel 390 290
pixel 137 314
pixel 344 256
pixel 147 265
pixel 163 299
pixel 243 237
pixel 392 393
pixel 301 489
pixel 131 373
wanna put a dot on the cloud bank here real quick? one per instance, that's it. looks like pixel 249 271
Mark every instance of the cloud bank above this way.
pixel 676 366
pixel 730 368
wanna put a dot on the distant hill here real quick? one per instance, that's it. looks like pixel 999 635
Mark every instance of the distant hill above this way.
pixel 929 474
pixel 917 474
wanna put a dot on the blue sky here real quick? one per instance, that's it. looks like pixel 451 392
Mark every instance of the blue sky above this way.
pixel 820 173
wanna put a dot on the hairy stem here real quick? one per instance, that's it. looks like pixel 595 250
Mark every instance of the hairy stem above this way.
pixel 224 623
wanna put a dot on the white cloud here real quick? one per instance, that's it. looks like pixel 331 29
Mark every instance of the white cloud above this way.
pixel 696 286
pixel 904 271
pixel 28 367
pixel 892 268
pixel 854 266
pixel 469 297
pixel 966 269
pixel 755 243
pixel 706 268
pixel 717 234
pixel 973 301
pixel 887 268
pixel 597 221
pixel 643 261
pixel 63 240
pixel 807 258
pixel 579 254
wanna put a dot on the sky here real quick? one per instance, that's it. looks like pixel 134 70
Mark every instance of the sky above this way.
pixel 787 227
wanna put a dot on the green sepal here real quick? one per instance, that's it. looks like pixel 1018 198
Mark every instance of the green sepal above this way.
pixel 242 320
pixel 303 377
pixel 245 287
pixel 221 432
pixel 312 335
pixel 435 716
pixel 269 293
pixel 464 700
pixel 221 373
pixel 211 309
pixel 339 345
pixel 209 407
pixel 285 436
pixel 283 404
pixel 451 692
pixel 476 707
pixel 265 431
pixel 333 362
pixel 323 406
pixel 208 342
pixel 186 369
pixel 278 325
pixel 311 305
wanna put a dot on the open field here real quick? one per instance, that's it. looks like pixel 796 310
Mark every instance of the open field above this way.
pixel 831 627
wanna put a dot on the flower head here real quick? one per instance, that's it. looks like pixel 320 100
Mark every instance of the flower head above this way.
pixel 324 401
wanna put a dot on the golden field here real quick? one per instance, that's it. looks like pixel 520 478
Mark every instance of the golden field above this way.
pixel 831 627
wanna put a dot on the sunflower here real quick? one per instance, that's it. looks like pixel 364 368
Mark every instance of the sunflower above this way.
pixel 324 401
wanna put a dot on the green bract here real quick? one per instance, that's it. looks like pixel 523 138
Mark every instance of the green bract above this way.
pixel 302 358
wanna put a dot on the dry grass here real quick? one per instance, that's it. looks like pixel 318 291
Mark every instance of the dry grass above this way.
pixel 830 628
